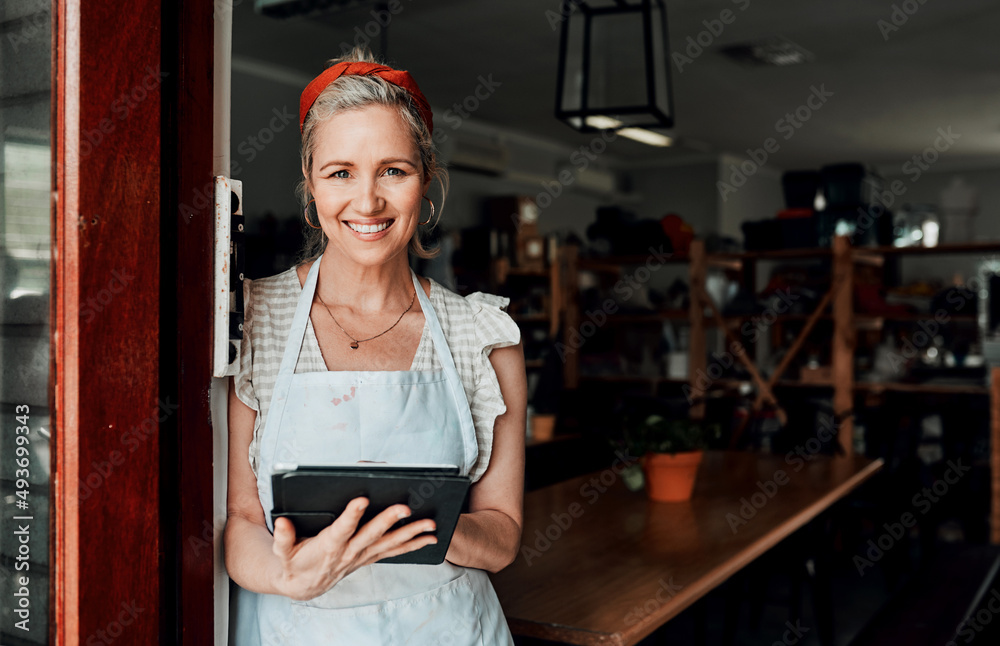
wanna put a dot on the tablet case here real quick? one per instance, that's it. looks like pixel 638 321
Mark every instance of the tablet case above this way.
pixel 312 497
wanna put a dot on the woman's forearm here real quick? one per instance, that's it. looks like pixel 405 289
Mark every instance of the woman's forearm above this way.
pixel 487 540
pixel 250 558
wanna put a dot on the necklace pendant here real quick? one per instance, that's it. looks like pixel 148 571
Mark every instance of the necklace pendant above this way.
pixel 354 346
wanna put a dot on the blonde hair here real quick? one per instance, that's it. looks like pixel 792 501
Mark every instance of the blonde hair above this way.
pixel 351 93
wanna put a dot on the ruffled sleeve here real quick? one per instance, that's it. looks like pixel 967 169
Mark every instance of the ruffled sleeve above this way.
pixel 244 378
pixel 245 390
pixel 494 328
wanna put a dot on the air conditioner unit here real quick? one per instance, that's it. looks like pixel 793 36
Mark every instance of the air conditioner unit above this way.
pixel 289 8
pixel 479 154
pixel 597 181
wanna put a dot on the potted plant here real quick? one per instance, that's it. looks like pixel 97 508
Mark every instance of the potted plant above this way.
pixel 671 451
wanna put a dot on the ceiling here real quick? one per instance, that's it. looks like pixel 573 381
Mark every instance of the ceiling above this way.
pixel 889 91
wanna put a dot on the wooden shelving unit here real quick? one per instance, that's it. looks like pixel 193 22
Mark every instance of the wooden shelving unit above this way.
pixel 552 273
pixel 515 281
pixel 836 307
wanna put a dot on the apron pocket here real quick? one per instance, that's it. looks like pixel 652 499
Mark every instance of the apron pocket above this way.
pixel 448 615
pixel 445 616
pixel 291 623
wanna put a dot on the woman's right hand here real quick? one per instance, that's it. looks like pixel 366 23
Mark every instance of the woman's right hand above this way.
pixel 314 565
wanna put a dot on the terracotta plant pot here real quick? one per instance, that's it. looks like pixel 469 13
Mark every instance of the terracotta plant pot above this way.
pixel 543 427
pixel 670 478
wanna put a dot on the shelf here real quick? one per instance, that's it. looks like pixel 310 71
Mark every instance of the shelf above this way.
pixel 944 389
pixel 825 252
pixel 530 318
pixel 530 442
pixel 875 387
pixel 522 271
pixel 861 321
pixel 650 317
pixel 944 249
pixel 643 379
pixel 614 264
pixel 804 252
pixel 867 322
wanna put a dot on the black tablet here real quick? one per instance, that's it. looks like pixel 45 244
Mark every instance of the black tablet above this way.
pixel 312 497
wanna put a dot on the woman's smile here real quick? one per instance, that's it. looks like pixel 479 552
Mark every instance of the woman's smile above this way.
pixel 370 229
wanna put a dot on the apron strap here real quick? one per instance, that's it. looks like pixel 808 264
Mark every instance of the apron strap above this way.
pixel 451 373
pixel 298 331
pixel 434 325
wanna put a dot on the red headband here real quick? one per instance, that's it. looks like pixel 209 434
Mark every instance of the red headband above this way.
pixel 396 77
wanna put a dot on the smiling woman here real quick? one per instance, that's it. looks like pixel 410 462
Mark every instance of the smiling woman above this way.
pixel 357 82
pixel 434 378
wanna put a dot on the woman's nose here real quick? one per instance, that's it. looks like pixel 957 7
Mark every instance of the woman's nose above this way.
pixel 368 200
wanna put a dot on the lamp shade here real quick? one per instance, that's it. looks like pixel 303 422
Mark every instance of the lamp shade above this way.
pixel 614 67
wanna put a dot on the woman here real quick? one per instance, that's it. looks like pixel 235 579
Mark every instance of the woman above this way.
pixel 351 357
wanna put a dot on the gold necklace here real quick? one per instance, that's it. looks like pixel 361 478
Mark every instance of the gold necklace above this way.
pixel 356 342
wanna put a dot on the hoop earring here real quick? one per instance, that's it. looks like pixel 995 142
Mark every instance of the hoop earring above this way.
pixel 431 216
pixel 305 212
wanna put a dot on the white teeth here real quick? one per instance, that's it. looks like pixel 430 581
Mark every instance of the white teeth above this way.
pixel 368 228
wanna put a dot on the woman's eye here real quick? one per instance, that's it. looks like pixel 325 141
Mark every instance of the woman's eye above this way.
pixel 395 172
pixel 341 174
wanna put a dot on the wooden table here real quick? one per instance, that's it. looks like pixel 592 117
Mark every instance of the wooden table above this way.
pixel 602 565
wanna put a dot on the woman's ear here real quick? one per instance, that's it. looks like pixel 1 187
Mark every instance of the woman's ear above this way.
pixel 307 181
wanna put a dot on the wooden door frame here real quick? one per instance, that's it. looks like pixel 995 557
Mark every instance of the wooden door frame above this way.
pixel 131 322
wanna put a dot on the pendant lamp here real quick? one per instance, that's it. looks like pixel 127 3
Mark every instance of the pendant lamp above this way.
pixel 614 66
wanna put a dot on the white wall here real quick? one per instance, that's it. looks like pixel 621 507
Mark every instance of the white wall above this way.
pixel 758 198
pixel 269 168
pixel 688 191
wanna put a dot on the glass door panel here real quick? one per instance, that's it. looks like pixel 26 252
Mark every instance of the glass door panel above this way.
pixel 25 257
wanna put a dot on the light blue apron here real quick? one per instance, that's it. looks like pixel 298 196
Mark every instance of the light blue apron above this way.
pixel 411 417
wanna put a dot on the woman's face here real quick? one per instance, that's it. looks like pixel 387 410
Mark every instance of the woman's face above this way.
pixel 367 180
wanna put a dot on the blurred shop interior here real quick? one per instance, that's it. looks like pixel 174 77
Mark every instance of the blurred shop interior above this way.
pixel 792 125
pixel 807 239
